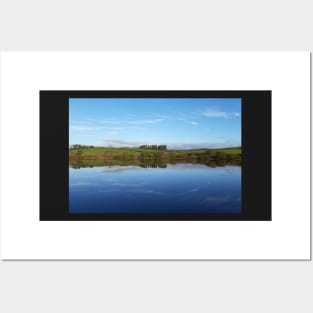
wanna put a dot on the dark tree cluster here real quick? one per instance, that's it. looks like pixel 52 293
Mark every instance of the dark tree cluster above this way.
pixel 80 146
pixel 153 147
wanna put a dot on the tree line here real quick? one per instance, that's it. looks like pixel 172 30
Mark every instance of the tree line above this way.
pixel 80 146
pixel 154 147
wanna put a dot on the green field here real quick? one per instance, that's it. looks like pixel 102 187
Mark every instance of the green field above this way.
pixel 96 156
pixel 100 150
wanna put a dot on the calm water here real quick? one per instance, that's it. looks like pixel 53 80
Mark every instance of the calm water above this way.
pixel 180 188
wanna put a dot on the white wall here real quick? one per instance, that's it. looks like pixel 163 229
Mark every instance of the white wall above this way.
pixel 156 286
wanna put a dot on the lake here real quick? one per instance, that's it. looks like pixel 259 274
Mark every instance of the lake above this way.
pixel 170 188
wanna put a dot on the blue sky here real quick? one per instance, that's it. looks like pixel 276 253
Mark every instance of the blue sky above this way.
pixel 180 123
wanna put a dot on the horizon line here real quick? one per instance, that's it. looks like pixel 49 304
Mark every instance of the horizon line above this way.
pixel 129 147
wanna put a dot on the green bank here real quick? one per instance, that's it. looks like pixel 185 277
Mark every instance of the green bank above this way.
pixel 150 156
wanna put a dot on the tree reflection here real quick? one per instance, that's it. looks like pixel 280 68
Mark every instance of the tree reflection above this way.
pixel 151 163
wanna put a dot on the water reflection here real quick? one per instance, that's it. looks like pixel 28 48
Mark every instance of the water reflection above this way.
pixel 155 188
pixel 77 164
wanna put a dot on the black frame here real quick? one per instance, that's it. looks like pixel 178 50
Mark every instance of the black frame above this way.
pixel 256 156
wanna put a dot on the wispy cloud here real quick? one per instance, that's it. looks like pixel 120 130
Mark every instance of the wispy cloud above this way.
pixel 122 122
pixel 193 123
pixel 172 145
pixel 126 128
pixel 98 124
pixel 83 128
pixel 102 121
pixel 187 121
pixel 142 122
pixel 130 123
pixel 108 128
pixel 219 113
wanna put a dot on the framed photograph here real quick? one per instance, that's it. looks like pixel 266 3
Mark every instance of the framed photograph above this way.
pixel 155 156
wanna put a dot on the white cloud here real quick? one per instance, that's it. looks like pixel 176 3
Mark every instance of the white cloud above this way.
pixel 141 122
pixel 107 128
pixel 126 128
pixel 83 128
pixel 113 122
pixel 218 113
pixel 186 121
pixel 124 122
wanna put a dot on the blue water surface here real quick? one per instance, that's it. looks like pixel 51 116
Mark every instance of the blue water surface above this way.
pixel 180 188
